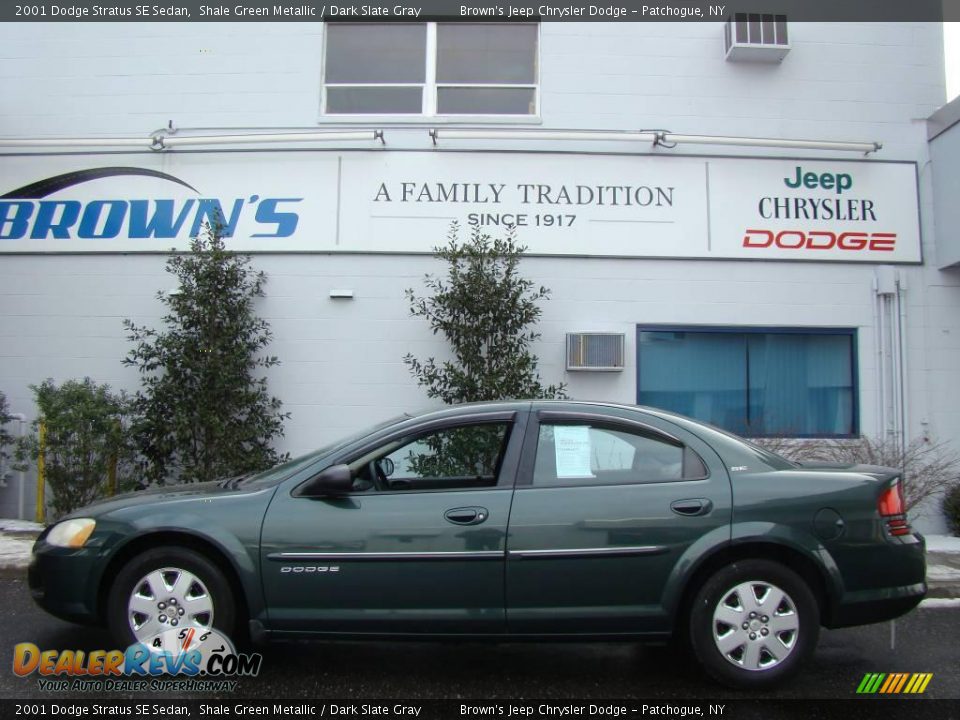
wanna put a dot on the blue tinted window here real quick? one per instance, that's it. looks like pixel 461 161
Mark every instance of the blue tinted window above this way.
pixel 753 383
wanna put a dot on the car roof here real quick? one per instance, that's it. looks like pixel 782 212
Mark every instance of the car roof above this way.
pixel 543 404
pixel 732 448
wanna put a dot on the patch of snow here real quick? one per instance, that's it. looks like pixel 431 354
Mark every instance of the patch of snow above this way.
pixel 9 525
pixel 942 572
pixel 933 603
pixel 943 543
pixel 15 551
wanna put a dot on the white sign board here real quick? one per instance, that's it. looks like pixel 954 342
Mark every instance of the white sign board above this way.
pixel 805 210
pixel 385 201
pixel 559 204
pixel 571 445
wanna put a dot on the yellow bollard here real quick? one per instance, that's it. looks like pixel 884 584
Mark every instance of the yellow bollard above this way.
pixel 112 477
pixel 41 469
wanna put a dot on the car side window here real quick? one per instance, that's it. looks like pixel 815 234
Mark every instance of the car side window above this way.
pixel 448 459
pixel 581 454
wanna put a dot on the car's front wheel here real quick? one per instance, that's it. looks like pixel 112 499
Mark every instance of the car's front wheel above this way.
pixel 168 588
pixel 753 623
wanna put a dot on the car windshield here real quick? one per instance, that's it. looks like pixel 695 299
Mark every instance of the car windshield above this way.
pixel 284 470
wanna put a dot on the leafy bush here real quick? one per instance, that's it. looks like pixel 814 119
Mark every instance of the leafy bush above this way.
pixel 6 439
pixel 929 468
pixel 203 412
pixel 85 435
pixel 951 509
pixel 485 310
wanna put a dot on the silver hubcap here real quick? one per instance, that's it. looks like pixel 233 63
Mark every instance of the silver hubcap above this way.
pixel 755 625
pixel 168 598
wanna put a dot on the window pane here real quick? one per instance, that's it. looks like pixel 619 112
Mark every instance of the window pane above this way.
pixel 400 100
pixel 782 29
pixel 801 385
pixel 376 54
pixel 700 374
pixel 583 454
pixel 492 54
pixel 486 101
pixel 455 458
pixel 754 383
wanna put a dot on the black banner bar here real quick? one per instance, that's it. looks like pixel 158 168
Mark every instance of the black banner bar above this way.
pixel 519 709
pixel 474 10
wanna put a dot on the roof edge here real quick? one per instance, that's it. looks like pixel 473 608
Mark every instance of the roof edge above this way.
pixel 943 119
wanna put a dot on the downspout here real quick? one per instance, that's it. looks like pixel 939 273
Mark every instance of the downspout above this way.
pixel 902 331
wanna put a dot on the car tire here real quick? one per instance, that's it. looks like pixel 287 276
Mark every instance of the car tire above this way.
pixel 168 588
pixel 753 623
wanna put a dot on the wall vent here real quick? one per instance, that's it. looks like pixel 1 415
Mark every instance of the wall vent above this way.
pixel 595 351
pixel 756 37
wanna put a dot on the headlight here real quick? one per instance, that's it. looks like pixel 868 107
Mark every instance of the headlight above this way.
pixel 71 533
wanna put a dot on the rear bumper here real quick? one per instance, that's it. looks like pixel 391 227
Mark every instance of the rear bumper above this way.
pixel 904 567
pixel 874 606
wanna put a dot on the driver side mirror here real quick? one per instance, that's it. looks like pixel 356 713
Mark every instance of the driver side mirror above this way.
pixel 335 480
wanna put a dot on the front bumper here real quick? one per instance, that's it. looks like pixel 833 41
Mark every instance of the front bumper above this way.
pixel 63 582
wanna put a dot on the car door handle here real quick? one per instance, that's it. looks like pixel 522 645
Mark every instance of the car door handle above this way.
pixel 466 515
pixel 692 507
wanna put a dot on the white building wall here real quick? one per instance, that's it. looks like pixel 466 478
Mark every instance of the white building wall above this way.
pixel 868 81
pixel 61 315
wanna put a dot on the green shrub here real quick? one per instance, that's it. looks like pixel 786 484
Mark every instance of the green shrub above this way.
pixel 487 313
pixel 951 509
pixel 204 410
pixel 85 435
pixel 6 440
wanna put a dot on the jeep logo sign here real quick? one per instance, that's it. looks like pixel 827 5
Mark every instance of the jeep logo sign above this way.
pixel 811 180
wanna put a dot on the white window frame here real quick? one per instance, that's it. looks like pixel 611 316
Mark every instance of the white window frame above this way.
pixel 430 90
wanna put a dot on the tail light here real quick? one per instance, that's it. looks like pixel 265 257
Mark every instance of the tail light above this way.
pixel 893 510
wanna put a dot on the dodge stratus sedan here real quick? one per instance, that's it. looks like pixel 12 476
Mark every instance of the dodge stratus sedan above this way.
pixel 513 520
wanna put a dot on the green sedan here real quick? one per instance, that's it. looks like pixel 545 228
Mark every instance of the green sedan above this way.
pixel 512 520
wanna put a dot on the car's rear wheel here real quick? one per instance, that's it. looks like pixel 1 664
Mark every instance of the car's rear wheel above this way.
pixel 168 588
pixel 753 623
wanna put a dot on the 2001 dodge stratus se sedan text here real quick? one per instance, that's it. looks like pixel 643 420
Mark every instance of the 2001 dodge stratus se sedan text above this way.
pixel 519 520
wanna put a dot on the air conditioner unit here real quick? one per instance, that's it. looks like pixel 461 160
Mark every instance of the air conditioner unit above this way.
pixel 602 352
pixel 756 37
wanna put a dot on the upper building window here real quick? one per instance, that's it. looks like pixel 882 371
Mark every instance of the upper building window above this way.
pixel 430 69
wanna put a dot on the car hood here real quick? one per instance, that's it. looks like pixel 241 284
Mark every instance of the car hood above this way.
pixel 875 471
pixel 155 495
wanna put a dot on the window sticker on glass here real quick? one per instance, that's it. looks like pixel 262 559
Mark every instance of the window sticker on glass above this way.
pixel 572 447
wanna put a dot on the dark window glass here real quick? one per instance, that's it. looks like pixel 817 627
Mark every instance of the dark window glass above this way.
pixel 752 383
pixel 742 28
pixel 366 62
pixel 588 454
pixel 400 100
pixel 768 36
pixel 486 54
pixel 448 459
pixel 782 29
pixel 755 36
pixel 485 101
pixel 376 54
